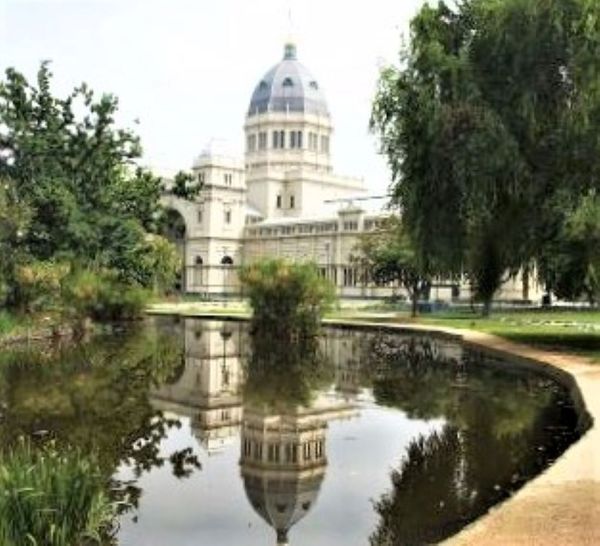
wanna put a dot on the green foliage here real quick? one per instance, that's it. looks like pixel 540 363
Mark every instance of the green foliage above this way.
pixel 287 298
pixel 38 285
pixel 52 498
pixel 95 397
pixel 571 266
pixel 185 185
pixel 15 217
pixel 101 295
pixel 487 128
pixel 163 261
pixel 389 255
pixel 71 192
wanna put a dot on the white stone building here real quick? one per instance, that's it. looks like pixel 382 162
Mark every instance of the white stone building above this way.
pixel 284 199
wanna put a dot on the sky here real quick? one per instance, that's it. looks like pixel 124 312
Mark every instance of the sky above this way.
pixel 184 70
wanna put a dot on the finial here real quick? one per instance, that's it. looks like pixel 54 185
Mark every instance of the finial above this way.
pixel 289 52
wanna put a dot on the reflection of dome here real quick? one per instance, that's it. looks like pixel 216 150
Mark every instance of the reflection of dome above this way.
pixel 288 87
pixel 282 500
pixel 283 464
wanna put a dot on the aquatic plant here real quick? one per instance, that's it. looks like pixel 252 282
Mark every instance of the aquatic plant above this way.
pixel 51 497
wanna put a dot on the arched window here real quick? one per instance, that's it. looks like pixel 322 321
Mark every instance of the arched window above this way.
pixel 314 84
pixel 199 260
pixel 287 82
pixel 227 260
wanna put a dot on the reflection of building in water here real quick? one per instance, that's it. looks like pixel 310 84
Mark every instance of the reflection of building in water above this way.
pixel 347 349
pixel 283 459
pixel 208 389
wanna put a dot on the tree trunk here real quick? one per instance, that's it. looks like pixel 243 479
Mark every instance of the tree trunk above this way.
pixel 487 307
pixel 414 298
pixel 525 277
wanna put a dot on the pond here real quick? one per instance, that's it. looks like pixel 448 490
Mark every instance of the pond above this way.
pixel 217 437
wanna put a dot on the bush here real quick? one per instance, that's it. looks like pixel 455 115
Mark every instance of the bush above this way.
pixel 38 285
pixel 100 295
pixel 286 297
pixel 52 499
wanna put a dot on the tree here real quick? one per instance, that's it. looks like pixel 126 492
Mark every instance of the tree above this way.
pixel 288 299
pixel 388 255
pixel 571 266
pixel 83 199
pixel 487 127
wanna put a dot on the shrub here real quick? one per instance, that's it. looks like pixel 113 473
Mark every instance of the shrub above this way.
pixel 52 499
pixel 286 297
pixel 38 285
pixel 101 295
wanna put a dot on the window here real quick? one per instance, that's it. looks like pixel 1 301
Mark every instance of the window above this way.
pixel 292 201
pixel 314 84
pixel 227 260
pixel 228 217
pixel 200 178
pixel 199 216
pixel 262 140
pixel 273 453
pixel 350 276
pixel 295 139
pixel 279 201
pixel 228 178
pixel 278 139
pixel 325 144
pixel 251 143
pixel 287 82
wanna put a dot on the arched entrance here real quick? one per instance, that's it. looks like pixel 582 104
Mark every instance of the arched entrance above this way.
pixel 227 267
pixel 198 271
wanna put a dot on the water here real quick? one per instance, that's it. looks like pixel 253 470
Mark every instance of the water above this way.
pixel 217 438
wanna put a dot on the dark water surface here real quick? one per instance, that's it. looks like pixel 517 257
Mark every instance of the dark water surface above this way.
pixel 217 438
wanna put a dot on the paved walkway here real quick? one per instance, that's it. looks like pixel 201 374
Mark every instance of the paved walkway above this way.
pixel 560 507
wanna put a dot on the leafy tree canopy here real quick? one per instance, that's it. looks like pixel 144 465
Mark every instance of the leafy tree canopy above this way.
pixel 487 126
pixel 71 188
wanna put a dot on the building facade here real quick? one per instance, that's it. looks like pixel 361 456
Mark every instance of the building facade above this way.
pixel 284 199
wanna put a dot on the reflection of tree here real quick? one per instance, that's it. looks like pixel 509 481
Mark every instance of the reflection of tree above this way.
pixel 496 438
pixel 284 374
pixel 95 397
pixel 283 439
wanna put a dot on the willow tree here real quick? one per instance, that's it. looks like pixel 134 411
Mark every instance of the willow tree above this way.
pixel 487 126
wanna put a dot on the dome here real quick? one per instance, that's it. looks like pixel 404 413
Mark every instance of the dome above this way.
pixel 282 500
pixel 218 152
pixel 288 87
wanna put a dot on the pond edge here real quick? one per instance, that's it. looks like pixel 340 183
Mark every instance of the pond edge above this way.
pixel 561 505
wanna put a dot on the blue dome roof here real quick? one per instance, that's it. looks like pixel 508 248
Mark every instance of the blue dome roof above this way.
pixel 288 87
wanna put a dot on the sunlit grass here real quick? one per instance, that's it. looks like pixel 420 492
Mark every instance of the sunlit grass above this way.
pixel 52 498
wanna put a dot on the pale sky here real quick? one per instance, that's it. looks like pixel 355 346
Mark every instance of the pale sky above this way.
pixel 186 69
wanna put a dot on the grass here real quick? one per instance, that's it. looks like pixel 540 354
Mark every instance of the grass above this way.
pixel 51 498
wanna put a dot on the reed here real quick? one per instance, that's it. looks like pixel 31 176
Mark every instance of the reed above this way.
pixel 52 497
